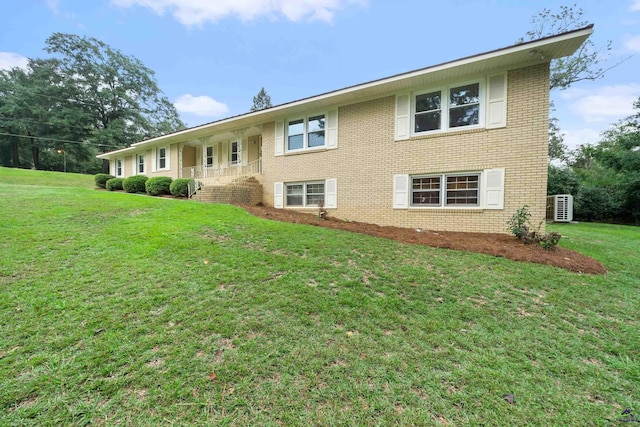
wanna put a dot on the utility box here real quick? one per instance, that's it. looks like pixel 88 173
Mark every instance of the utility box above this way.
pixel 560 208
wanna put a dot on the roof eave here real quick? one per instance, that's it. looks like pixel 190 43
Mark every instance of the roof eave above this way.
pixel 521 54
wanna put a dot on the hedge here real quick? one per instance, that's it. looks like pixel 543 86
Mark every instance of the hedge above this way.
pixel 114 184
pixel 102 178
pixel 135 184
pixel 158 185
pixel 180 187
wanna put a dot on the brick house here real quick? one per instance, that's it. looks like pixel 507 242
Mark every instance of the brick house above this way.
pixel 457 146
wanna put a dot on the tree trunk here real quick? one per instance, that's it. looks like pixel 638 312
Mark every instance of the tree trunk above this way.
pixel 35 151
pixel 15 155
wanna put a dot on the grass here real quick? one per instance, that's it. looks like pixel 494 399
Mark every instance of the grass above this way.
pixel 133 310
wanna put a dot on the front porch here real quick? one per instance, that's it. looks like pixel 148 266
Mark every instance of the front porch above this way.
pixel 219 159
pixel 215 173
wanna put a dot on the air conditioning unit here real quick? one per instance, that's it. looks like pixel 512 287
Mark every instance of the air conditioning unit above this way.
pixel 560 208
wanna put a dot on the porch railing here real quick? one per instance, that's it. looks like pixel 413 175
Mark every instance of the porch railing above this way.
pixel 221 170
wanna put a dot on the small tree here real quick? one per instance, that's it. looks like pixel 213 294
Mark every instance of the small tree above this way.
pixel 261 101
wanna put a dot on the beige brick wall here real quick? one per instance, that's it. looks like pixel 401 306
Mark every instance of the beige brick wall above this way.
pixel 174 160
pixel 368 156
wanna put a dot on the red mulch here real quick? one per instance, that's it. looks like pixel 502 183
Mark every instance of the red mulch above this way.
pixel 500 245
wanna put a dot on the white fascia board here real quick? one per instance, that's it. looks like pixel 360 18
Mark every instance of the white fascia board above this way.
pixel 542 46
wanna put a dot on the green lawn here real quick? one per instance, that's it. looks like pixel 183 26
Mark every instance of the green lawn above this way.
pixel 120 309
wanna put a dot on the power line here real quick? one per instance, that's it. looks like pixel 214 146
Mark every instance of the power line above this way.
pixel 60 140
pixel 43 123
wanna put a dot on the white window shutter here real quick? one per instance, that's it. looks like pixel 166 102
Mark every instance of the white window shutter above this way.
pixel 331 193
pixel 279 138
pixel 134 164
pixel 332 129
pixel 278 189
pixel 400 191
pixel 167 153
pixel 497 101
pixel 403 116
pixel 154 159
pixel 493 185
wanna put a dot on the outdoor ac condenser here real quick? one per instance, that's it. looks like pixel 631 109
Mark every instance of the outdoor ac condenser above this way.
pixel 560 208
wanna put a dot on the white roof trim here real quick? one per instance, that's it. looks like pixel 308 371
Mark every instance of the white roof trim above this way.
pixel 269 114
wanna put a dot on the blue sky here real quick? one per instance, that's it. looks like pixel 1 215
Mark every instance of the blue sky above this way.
pixel 212 56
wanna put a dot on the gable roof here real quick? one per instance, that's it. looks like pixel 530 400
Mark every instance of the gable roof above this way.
pixel 524 54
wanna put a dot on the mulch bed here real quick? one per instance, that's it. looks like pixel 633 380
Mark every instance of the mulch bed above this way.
pixel 500 245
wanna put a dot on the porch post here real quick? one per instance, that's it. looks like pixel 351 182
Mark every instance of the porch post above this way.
pixel 180 148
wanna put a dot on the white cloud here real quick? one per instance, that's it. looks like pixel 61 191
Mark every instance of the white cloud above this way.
pixel 635 5
pixel 10 60
pixel 573 138
pixel 203 106
pixel 603 105
pixel 632 43
pixel 197 12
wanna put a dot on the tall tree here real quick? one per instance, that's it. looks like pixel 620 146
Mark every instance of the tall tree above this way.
pixel 585 64
pixel 261 101
pixel 87 96
pixel 118 90
pixel 37 109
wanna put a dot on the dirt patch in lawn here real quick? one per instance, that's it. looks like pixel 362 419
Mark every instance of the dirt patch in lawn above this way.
pixel 499 245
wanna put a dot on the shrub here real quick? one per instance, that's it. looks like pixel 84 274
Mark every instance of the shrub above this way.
pixel 519 221
pixel 596 204
pixel 562 180
pixel 102 178
pixel 520 226
pixel 158 185
pixel 114 184
pixel 549 240
pixel 180 187
pixel 135 184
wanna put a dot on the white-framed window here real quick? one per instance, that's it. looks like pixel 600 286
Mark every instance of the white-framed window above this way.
pixel 234 157
pixel 306 133
pixel 162 158
pixel 303 194
pixel 119 169
pixel 448 108
pixel 140 164
pixel 478 189
pixel 446 190
pixel 209 156
pixel 473 104
pixel 306 194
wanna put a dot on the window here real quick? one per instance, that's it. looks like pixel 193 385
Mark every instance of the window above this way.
pixel 459 190
pixel 306 133
pixel 464 105
pixel 425 191
pixel 209 156
pixel 428 111
pixel 140 163
pixel 462 190
pixel 119 168
pixel 305 194
pixel 234 153
pixel 445 109
pixel 162 158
